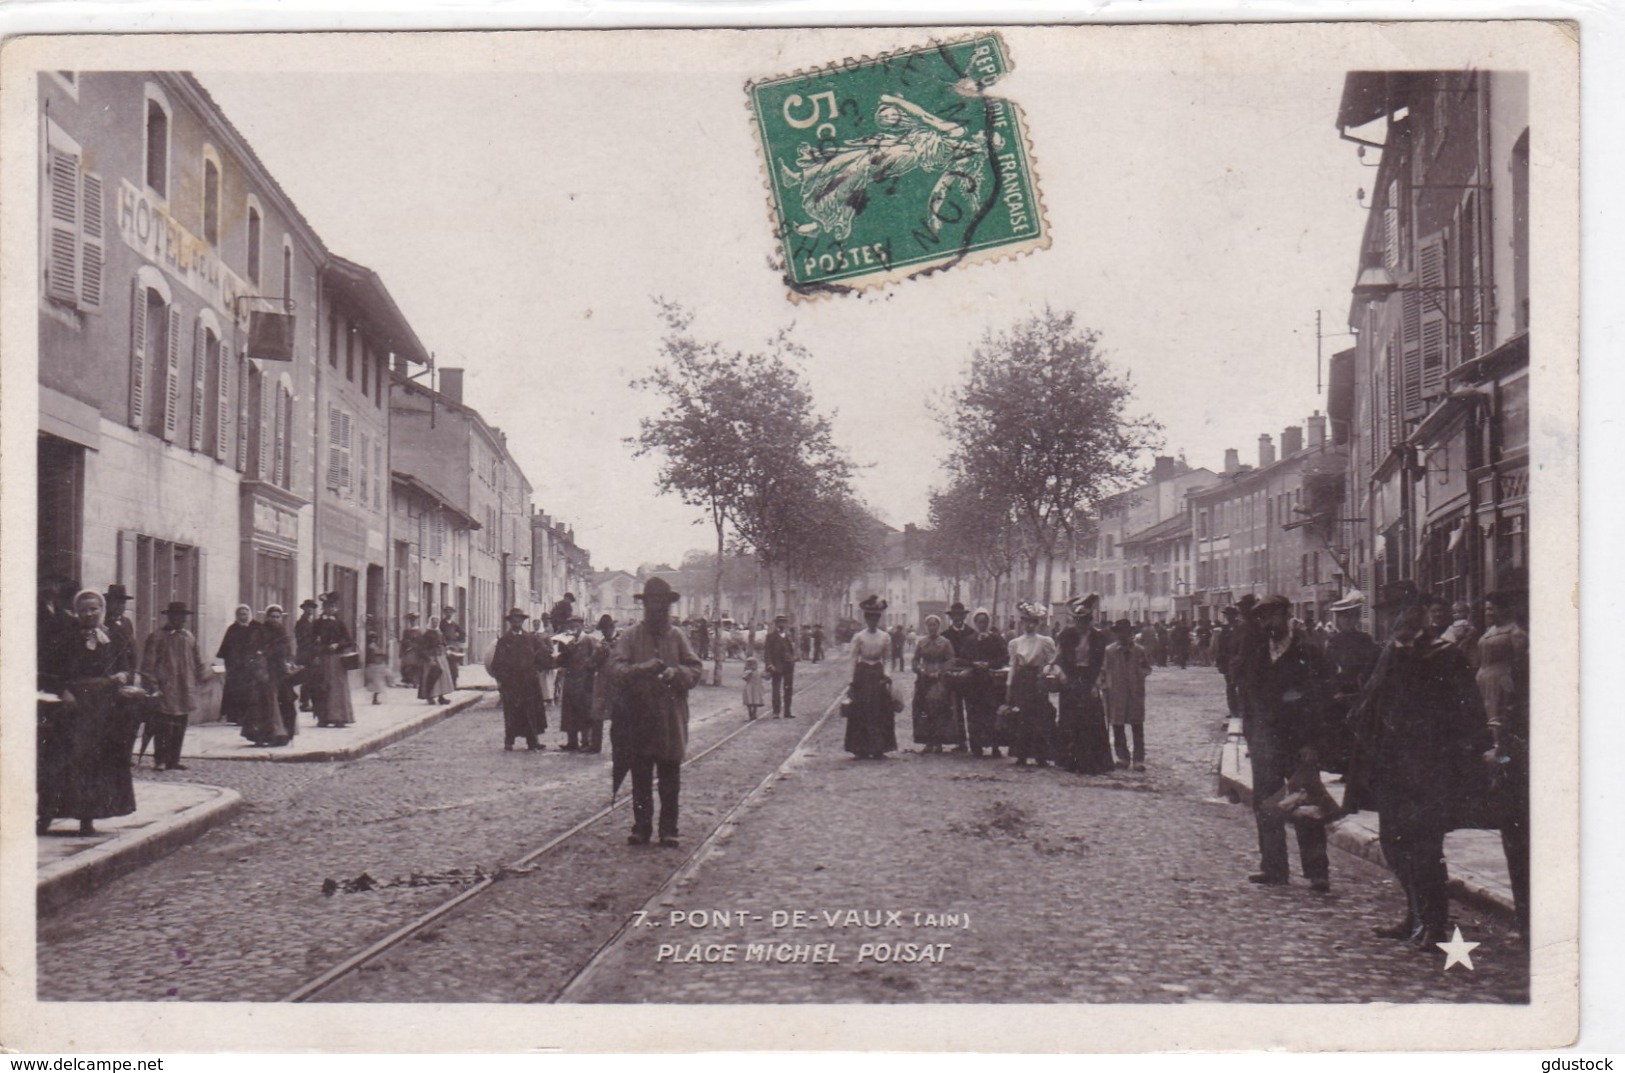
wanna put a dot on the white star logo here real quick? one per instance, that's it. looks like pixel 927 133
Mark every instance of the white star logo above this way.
pixel 1457 950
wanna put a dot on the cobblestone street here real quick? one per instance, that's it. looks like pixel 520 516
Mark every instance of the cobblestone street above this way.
pixel 1118 888
pixel 240 913
pixel 972 881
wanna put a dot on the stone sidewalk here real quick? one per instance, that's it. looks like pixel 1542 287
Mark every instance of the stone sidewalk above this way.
pixel 170 814
pixel 1478 867
pixel 399 715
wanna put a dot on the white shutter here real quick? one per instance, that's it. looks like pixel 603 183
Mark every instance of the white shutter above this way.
pixel 347 447
pixel 279 466
pixel 222 402
pixel 138 354
pixel 199 369
pixel 172 376
pixel 334 470
pixel 62 242
pixel 1390 228
pixel 94 255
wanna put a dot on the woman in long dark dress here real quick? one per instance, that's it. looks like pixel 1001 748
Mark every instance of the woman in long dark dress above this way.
pixel 271 714
pixel 434 673
pixel 236 650
pixel 871 730
pixel 936 717
pixel 84 749
pixel 1030 653
pixel 1086 746
pixel 985 654
pixel 331 642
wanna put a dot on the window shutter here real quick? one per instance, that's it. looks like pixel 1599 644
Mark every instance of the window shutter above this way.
pixel 1430 277
pixel 334 470
pixel 138 354
pixel 1390 228
pixel 243 379
pixel 348 445
pixel 279 466
pixel 222 432
pixel 172 376
pixel 199 368
pixel 263 469
pixel 63 241
pixel 94 255
pixel 1408 386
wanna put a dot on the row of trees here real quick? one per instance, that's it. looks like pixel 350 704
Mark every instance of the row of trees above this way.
pixel 1039 426
pixel 740 438
pixel 1041 435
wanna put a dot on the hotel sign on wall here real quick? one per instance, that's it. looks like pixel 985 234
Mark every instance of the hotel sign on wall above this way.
pixel 147 228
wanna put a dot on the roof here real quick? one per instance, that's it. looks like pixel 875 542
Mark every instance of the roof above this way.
pixel 422 486
pixel 363 287
pixel 1175 525
pixel 1370 95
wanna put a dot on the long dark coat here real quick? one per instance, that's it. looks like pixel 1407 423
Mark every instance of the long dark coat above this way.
pixel 579 667
pixel 84 745
pixel 651 716
pixel 236 648
pixel 516 662
pixel 270 715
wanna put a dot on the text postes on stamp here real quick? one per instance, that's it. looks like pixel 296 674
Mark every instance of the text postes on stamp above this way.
pixel 886 167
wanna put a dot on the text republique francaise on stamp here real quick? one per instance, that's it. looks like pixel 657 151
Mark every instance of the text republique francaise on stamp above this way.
pixel 887 167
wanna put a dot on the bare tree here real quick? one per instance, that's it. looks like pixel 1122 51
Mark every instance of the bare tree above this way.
pixel 1039 423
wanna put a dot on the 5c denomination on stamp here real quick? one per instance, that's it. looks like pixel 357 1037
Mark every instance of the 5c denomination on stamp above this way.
pixel 887 167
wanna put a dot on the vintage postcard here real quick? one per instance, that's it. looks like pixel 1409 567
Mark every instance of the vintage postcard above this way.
pixel 476 601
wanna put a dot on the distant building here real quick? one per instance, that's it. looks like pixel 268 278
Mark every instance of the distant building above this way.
pixel 1272 529
pixel 432 541
pixel 613 593
pixel 558 565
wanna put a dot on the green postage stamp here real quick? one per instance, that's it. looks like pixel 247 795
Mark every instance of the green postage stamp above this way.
pixel 887 167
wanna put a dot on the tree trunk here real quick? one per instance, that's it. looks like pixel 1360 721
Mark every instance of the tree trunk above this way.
pixel 716 612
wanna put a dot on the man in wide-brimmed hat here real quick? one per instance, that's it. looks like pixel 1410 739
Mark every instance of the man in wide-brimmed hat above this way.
pixel 1291 687
pixel 304 653
pixel 517 661
pixel 654 668
pixel 172 666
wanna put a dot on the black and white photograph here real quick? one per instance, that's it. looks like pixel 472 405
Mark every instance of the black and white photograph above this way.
pixel 1030 538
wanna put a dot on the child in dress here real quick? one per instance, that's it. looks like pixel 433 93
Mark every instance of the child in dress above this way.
pixel 753 687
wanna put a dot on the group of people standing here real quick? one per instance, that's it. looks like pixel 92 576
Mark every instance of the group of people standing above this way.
pixel 1430 730
pixel 100 693
pixel 976 690
pixel 531 669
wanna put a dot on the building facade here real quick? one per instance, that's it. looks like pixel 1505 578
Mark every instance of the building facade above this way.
pixel 177 336
pixel 431 537
pixel 1112 555
pixel 1436 405
pixel 1273 528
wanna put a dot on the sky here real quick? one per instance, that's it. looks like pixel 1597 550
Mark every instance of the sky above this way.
pixel 526 201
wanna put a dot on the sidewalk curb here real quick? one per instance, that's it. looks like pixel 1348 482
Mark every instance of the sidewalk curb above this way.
pixel 63 882
pixel 1361 841
pixel 363 748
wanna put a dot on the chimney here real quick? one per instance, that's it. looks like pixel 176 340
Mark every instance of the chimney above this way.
pixel 1232 461
pixel 451 384
pixel 1291 441
pixel 1162 469
pixel 1266 450
pixel 1317 430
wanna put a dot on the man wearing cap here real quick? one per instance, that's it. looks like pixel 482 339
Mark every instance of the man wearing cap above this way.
pixel 517 661
pixel 1290 687
pixel 779 654
pixel 654 668
pixel 172 666
pixel 304 653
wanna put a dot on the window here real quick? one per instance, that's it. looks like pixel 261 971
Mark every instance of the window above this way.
pixel 366 459
pixel 211 196
pixel 1513 418
pixel 333 341
pixel 349 352
pixel 378 384
pixel 254 246
pixel 380 475
pixel 339 445
pixel 366 371
pixel 287 269
pixel 157 572
pixel 157 143
pixel 75 239
pixel 155 357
